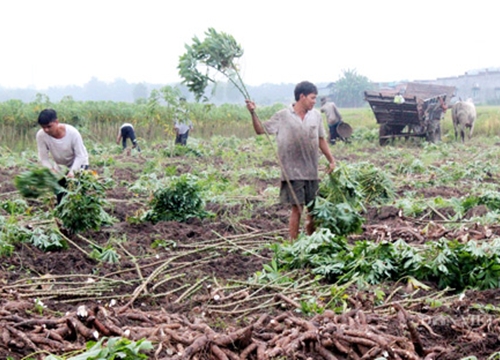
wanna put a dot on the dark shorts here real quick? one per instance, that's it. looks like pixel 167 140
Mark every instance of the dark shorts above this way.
pixel 305 191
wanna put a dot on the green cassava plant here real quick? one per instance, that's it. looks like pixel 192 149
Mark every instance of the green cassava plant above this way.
pixel 219 51
pixel 37 181
pixel 341 219
pixel 179 200
pixel 449 263
pixel 46 238
pixel 82 207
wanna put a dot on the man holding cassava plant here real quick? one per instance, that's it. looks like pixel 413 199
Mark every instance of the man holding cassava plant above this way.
pixel 299 133
pixel 61 141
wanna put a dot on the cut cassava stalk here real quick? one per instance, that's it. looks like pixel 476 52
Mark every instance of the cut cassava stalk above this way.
pixel 195 287
pixel 289 301
pixel 133 259
pixel 249 251
pixel 72 242
pixel 153 275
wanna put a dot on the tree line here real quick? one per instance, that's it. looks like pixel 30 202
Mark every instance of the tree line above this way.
pixel 348 91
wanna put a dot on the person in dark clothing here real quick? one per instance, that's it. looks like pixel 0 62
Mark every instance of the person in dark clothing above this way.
pixel 182 125
pixel 127 132
pixel 333 118
pixel 182 132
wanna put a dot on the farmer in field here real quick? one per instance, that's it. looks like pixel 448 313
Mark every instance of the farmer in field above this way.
pixel 63 143
pixel 127 132
pixel 299 133
pixel 183 125
pixel 333 118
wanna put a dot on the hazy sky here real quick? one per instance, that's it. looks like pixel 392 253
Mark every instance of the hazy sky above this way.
pixel 62 42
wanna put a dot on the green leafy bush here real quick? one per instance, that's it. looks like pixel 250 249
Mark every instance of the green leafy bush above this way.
pixel 449 263
pixel 178 201
pixel 374 184
pixel 82 207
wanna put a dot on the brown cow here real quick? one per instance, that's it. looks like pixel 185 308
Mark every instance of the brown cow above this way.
pixel 463 114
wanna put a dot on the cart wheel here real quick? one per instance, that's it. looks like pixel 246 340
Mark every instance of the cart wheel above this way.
pixel 383 131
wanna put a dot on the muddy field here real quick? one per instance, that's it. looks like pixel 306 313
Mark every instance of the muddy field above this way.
pixel 195 294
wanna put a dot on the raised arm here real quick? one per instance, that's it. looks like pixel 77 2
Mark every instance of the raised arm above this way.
pixel 257 125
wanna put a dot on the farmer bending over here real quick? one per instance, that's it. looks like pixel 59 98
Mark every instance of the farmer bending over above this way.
pixel 299 133
pixel 61 141
pixel 333 118
pixel 182 125
pixel 127 132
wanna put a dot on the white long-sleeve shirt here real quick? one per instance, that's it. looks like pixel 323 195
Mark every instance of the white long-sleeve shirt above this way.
pixel 68 151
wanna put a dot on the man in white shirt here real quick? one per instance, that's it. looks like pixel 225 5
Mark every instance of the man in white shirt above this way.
pixel 63 143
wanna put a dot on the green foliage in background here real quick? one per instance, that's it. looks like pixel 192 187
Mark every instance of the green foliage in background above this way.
pixel 349 89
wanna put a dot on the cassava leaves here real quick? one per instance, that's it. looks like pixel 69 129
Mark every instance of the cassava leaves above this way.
pixel 36 182
pixel 449 263
pixel 219 51
pixel 82 207
pixel 178 201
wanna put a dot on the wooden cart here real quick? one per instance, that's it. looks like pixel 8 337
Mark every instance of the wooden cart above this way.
pixel 415 110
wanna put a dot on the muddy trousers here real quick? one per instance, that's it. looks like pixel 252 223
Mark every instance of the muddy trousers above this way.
pixel 334 135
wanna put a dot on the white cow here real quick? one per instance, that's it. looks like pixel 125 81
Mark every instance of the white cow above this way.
pixel 463 114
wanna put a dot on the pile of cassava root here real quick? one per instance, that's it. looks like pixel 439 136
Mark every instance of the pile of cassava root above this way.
pixel 353 335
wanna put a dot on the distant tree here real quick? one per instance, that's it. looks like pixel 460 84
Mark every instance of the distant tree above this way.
pixel 349 90
pixel 120 90
pixel 140 91
pixel 95 90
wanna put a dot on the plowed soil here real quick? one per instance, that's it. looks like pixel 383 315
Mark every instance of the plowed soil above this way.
pixel 188 288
